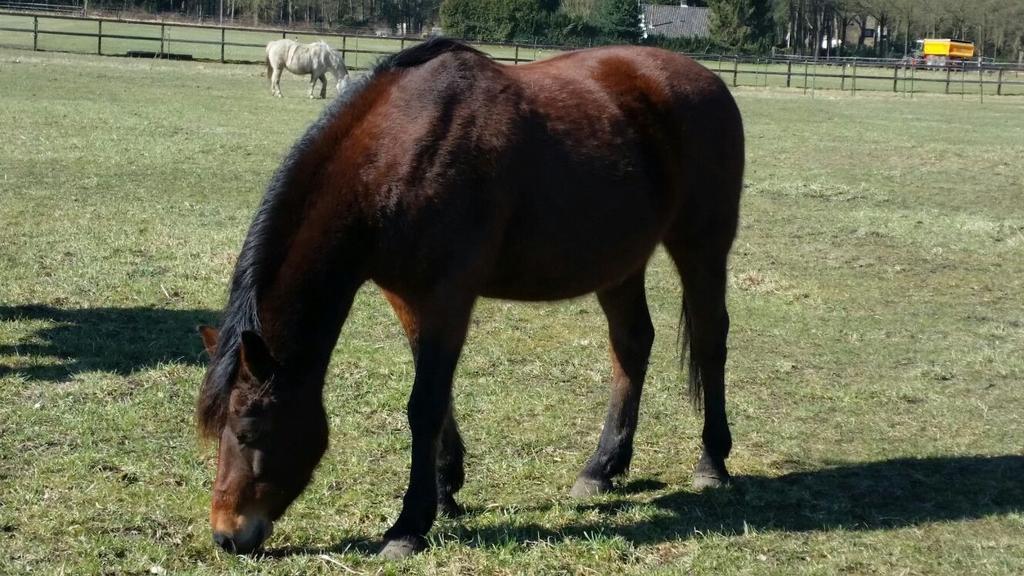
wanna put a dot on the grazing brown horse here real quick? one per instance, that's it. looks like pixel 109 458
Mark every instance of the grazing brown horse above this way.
pixel 442 177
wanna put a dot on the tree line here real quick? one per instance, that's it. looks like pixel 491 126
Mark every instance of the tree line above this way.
pixel 891 27
pixel 825 27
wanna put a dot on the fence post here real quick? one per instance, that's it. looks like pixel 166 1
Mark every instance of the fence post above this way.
pixel 35 33
pixel 735 69
pixel 789 71
pixel 814 78
pixel 221 44
pixel 963 81
pixel 981 82
pixel 949 71
pixel 999 83
pixel 401 44
pixel 161 39
pixel 99 37
pixel 895 76
pixel 842 82
pixel 854 79
pixel 913 72
pixel 517 55
pixel 343 37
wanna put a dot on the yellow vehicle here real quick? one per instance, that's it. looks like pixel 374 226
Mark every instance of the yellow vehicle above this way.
pixel 937 52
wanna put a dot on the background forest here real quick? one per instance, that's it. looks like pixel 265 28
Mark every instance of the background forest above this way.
pixel 836 27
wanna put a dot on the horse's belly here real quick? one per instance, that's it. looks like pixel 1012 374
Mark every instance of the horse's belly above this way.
pixel 552 252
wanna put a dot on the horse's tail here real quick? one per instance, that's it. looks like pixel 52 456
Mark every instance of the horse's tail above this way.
pixel 696 385
pixel 266 60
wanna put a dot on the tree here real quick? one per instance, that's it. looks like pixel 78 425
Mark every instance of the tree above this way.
pixel 495 19
pixel 742 24
pixel 618 19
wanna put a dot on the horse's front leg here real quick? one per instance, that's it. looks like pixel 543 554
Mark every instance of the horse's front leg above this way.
pixel 442 333
pixel 275 83
pixel 450 467
pixel 312 84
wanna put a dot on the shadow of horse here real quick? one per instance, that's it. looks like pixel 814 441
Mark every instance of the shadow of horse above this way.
pixel 884 495
pixel 118 340
pixel 881 495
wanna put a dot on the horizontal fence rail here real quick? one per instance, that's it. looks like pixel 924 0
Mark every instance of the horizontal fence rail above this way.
pixel 40 7
pixel 163 39
pixel 899 76
pixel 164 43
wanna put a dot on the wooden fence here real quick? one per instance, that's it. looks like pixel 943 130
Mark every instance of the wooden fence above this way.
pixel 161 39
pixel 181 40
pixel 898 76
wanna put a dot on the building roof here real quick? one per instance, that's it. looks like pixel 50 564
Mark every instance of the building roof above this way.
pixel 676 21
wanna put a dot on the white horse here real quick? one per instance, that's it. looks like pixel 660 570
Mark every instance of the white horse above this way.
pixel 316 59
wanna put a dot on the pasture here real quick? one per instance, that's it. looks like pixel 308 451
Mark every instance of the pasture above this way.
pixel 874 377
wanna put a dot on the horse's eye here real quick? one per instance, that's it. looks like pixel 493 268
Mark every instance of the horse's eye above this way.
pixel 246 437
pixel 248 431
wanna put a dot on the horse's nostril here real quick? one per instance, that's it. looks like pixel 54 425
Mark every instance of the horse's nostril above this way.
pixel 224 541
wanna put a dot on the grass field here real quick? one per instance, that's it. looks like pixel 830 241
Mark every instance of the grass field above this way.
pixel 874 374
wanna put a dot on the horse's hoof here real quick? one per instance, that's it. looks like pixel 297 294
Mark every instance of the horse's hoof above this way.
pixel 448 507
pixel 586 487
pixel 403 547
pixel 707 474
pixel 707 481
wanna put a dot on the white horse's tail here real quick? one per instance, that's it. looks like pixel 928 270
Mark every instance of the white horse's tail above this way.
pixel 266 60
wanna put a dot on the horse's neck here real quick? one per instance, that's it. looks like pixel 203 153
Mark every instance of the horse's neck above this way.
pixel 337 65
pixel 303 308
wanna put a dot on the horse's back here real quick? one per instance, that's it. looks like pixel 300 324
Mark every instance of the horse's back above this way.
pixel 278 50
pixel 561 175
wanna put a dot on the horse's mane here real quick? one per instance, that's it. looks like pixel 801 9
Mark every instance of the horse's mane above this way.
pixel 263 246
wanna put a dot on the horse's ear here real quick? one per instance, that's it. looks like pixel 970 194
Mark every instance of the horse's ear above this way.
pixel 209 334
pixel 256 357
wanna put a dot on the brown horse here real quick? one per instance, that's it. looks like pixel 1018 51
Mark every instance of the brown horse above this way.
pixel 442 177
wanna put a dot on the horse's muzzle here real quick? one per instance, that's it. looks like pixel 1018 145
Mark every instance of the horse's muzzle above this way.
pixel 244 541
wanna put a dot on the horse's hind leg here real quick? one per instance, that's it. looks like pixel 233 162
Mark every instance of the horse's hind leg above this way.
pixel 701 263
pixel 631 335
pixel 450 467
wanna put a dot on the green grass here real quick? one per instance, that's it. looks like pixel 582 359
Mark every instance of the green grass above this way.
pixel 874 370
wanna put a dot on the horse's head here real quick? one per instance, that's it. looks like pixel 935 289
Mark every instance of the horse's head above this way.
pixel 273 433
pixel 337 62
